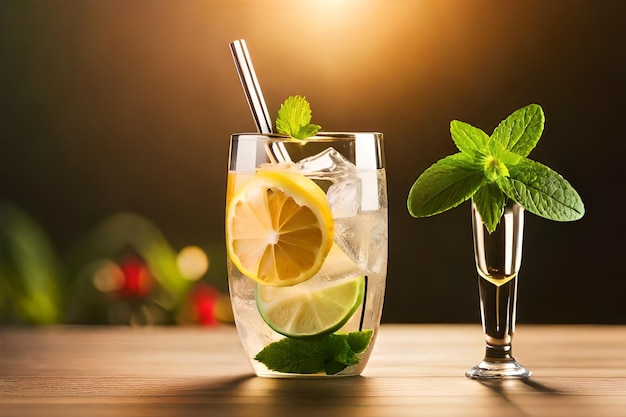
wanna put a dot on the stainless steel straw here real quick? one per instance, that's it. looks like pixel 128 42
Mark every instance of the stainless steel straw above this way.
pixel 251 86
pixel 276 150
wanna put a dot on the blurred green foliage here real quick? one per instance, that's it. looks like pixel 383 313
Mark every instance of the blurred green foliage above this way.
pixel 122 272
pixel 29 271
pixel 118 238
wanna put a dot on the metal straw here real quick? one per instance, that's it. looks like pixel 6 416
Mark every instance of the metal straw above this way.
pixel 275 150
pixel 251 86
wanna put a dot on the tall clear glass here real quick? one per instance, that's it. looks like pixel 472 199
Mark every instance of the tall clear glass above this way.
pixel 498 260
pixel 349 169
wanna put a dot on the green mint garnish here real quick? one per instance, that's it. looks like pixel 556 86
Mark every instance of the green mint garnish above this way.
pixel 330 353
pixel 294 117
pixel 492 169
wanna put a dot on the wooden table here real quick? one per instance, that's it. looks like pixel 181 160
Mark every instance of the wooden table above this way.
pixel 416 370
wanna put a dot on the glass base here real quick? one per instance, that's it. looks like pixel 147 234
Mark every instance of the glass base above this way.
pixel 509 369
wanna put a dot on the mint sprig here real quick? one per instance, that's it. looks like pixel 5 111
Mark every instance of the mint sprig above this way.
pixel 330 353
pixel 294 117
pixel 492 169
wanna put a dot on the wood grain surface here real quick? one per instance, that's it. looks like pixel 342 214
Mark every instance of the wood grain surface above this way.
pixel 415 370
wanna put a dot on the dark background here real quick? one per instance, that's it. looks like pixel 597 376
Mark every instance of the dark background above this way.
pixel 115 105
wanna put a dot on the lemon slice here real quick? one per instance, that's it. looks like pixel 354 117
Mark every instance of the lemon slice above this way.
pixel 301 311
pixel 279 228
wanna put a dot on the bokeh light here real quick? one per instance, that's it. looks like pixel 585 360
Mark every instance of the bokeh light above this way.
pixel 192 262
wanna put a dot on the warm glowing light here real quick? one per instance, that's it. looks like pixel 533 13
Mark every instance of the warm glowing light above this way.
pixel 192 262
pixel 108 277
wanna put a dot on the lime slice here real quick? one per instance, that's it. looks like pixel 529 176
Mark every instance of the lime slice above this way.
pixel 310 310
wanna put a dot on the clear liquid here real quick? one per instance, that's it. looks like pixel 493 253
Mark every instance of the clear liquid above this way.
pixel 363 238
pixel 498 309
pixel 498 258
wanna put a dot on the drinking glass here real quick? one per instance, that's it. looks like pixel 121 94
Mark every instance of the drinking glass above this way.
pixel 498 259
pixel 349 170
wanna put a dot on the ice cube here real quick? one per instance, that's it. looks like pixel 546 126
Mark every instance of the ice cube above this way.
pixel 327 165
pixel 364 239
pixel 344 194
pixel 344 197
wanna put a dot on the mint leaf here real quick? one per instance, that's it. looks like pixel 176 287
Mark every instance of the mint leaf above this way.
pixel 490 202
pixel 330 353
pixel 294 118
pixel 521 131
pixel 542 191
pixel 307 131
pixel 359 341
pixel 333 367
pixel 467 137
pixel 489 170
pixel 504 155
pixel 446 184
pixel 293 355
pixel 494 168
pixel 497 161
